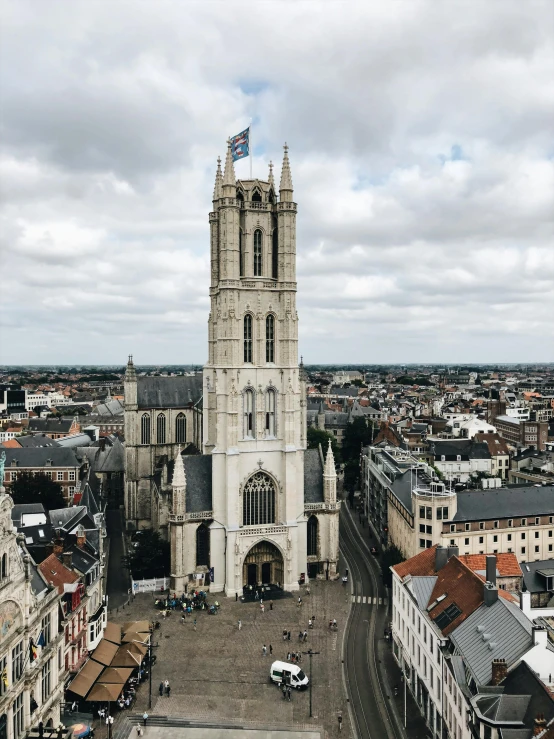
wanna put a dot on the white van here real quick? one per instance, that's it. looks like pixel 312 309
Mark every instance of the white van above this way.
pixel 291 674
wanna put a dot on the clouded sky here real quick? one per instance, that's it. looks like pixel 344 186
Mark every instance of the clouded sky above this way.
pixel 421 148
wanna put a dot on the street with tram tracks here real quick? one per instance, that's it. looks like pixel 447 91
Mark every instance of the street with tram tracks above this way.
pixel 373 713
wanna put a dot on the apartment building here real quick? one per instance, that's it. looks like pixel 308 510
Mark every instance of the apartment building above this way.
pixel 521 433
pixel 60 465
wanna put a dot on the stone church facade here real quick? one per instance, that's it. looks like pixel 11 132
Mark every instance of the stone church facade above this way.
pixel 256 506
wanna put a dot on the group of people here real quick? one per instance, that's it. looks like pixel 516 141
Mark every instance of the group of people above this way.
pixel 165 688
pixel 294 657
pixel 186 603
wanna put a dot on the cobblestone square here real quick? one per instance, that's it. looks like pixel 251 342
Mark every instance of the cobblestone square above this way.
pixel 219 673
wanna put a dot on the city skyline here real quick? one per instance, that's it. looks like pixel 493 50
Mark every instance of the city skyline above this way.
pixel 424 178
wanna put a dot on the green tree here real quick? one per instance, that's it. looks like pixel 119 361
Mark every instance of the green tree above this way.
pixel 315 437
pixel 28 488
pixel 151 556
pixel 351 475
pixel 357 435
pixel 390 557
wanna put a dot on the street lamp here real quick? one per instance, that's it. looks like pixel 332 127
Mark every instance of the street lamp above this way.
pixel 150 647
pixel 310 654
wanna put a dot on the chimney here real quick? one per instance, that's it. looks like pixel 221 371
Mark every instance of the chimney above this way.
pixel 491 568
pixel 499 671
pixel 490 594
pixel 57 547
pixel 441 557
pixel 540 724
pixel 452 552
pixel 67 559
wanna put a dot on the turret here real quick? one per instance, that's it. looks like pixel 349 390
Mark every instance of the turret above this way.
pixel 179 485
pixel 218 181
pixel 285 188
pixel 229 182
pixel 330 477
pixel 130 386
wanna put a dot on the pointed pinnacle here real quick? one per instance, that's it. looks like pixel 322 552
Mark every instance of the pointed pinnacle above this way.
pixel 271 179
pixel 130 374
pixel 286 178
pixel 329 470
pixel 229 178
pixel 218 180
pixel 179 477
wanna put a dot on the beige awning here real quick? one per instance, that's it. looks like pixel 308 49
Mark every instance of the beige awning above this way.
pixel 136 626
pixel 126 657
pixel 84 680
pixel 135 636
pixel 136 647
pixel 105 692
pixel 116 674
pixel 104 652
pixel 112 633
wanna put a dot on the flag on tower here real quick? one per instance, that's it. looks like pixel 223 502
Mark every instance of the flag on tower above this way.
pixel 240 144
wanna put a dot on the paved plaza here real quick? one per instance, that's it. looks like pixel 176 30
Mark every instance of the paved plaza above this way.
pixel 218 674
pixel 161 732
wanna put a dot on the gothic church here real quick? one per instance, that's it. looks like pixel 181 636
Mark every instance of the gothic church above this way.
pixel 255 506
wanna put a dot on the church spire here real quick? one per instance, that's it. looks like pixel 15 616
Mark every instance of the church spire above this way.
pixel 285 188
pixel 229 179
pixel 179 485
pixel 271 178
pixel 130 374
pixel 329 470
pixel 218 181
pixel 330 477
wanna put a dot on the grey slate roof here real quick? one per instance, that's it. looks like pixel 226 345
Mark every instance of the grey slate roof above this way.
pixel 109 459
pixel 21 509
pixel 481 505
pixel 509 634
pixel 38 583
pixel 313 476
pixel 58 426
pixel 338 420
pixel 534 582
pixel 69 442
pixel 198 471
pixel 38 440
pixel 33 457
pixel 112 407
pixel 465 448
pixel 422 588
pixel 168 392
pixel 402 488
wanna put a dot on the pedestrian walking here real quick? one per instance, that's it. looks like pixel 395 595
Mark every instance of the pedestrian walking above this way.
pixel 168 691
pixel 166 687
pixel 288 692
pixel 308 590
pixel 310 624
pixel 270 650
pixel 305 636
pixel 288 656
pixel 288 635
pixel 240 624
pixel 183 618
pixel 262 607
pixel 161 689
pixel 340 720
pixel 284 690
pixel 194 624
pixel 264 651
pixel 257 596
pixel 313 619
pixel 236 597
pixel 270 605
pixel 335 624
pixel 298 656
pixel 299 602
pixel 138 729
pixel 145 718
pixel 284 634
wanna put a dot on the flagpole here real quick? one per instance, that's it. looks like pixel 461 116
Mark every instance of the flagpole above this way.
pixel 250 146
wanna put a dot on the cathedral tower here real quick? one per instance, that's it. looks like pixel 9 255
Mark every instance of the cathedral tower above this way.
pixel 254 393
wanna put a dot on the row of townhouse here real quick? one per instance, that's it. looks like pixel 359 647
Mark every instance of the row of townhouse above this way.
pixel 477 667
pixel 59 464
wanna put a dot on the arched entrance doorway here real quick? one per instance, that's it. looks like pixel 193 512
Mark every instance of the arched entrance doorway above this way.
pixel 263 565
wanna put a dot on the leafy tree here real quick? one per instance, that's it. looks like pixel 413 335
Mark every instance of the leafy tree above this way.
pixel 151 557
pixel 351 475
pixel 390 557
pixel 357 435
pixel 28 488
pixel 315 437
pixel 358 383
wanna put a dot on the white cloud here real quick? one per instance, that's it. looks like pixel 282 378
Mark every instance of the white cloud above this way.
pixel 421 156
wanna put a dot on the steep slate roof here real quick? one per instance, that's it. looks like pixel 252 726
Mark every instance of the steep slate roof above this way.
pixel 534 582
pixel 500 631
pixel 38 440
pixel 112 407
pixel 482 505
pixel 33 457
pixel 168 392
pixel 313 476
pixel 422 587
pixel 53 425
pixel 496 444
pixel 21 509
pixel 198 471
pixel 465 448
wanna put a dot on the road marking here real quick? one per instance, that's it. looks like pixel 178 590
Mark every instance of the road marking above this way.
pixel 380 601
pixel 359 599
pixel 353 599
pixel 364 599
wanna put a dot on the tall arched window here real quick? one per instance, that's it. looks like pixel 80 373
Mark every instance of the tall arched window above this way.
pixel 258 505
pixel 249 412
pixel 181 429
pixel 270 412
pixel 256 196
pixel 270 339
pixel 203 546
pixel 275 251
pixel 4 569
pixel 145 429
pixel 241 253
pixel 257 253
pixel 160 429
pixel 248 338
pixel 312 536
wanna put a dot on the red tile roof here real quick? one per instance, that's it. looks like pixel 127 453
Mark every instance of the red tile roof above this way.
pixel 11 444
pixel 420 565
pixel 54 571
pixel 506 564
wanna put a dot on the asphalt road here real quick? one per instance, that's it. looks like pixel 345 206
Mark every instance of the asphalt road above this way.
pixel 374 716
pixel 118 582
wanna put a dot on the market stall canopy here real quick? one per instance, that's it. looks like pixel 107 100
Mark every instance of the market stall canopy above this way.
pixel 136 647
pixel 116 674
pixel 105 692
pixel 136 626
pixel 104 652
pixel 86 678
pixel 125 657
pixel 134 636
pixel 112 633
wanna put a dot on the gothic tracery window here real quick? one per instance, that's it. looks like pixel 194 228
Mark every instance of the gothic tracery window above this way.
pixel 258 505
pixel 257 253
pixel 241 253
pixel 160 429
pixel 181 429
pixel 270 412
pixel 248 338
pixel 145 429
pixel 249 412
pixel 270 338
pixel 203 546
pixel 275 251
pixel 313 525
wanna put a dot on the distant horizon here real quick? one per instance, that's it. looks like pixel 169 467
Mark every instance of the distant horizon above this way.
pixel 345 365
